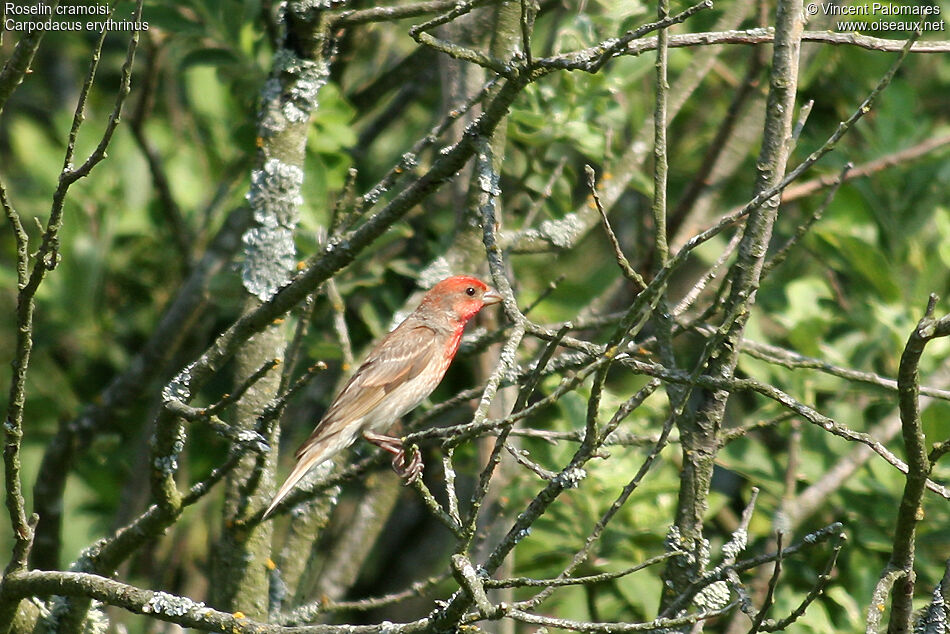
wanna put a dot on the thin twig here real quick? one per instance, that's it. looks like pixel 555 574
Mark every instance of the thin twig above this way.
pixel 833 533
pixel 309 612
pixel 592 538
pixel 661 248
pixel 709 275
pixel 803 114
pixel 521 457
pixel 531 383
pixel 609 628
pixel 46 259
pixel 816 591
pixel 420 33
pixel 582 60
pixel 18 65
pixel 791 359
pixel 528 10
pixel 565 581
pixel 773 582
pixel 167 607
pixel 451 495
pixel 410 159
pixel 779 256
pixel 901 158
pixel 543 295
pixel 339 323
pixel 624 264
pixel 355 17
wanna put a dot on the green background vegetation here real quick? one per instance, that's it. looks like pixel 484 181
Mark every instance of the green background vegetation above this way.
pixel 850 293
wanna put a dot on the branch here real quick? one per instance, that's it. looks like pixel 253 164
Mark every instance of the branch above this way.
pixel 879 598
pixel 563 581
pixel 664 625
pixel 770 593
pixel 816 591
pixel 592 59
pixel 150 362
pixel 397 12
pixel 13 427
pixel 617 173
pixel 420 34
pixel 833 533
pixel 791 359
pixel 168 607
pixel 581 555
pixel 581 60
pixel 769 391
pixel 410 159
pixel 919 466
pixel 18 65
pixel 779 256
pixel 310 611
pixel 660 163
pixel 628 271
pixel 806 188
pixel 46 260
pixel 700 428
pixel 342 251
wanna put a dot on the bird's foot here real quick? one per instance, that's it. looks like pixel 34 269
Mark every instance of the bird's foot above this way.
pixel 410 470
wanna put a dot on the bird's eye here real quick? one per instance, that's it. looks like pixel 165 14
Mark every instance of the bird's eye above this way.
pixel 470 291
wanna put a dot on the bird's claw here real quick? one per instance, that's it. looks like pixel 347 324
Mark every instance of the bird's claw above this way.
pixel 411 471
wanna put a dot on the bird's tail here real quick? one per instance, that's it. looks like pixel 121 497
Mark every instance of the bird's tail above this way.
pixel 309 456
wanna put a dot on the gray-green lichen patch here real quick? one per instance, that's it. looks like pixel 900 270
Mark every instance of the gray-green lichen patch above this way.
pixel 290 96
pixel 275 194
pixel 179 388
pixel 96 621
pixel 564 232
pixel 734 547
pixel 269 253
pixel 935 618
pixel 168 464
pixel 715 596
pixel 170 605
pixel 268 260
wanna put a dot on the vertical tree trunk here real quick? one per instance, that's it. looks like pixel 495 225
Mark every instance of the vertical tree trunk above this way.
pixel 241 558
pixel 700 428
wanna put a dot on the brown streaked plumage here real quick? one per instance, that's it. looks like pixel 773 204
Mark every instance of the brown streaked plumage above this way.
pixel 398 374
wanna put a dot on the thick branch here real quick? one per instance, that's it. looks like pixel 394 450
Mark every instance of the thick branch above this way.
pixel 699 432
pixel 582 60
pixel 167 607
pixel 910 512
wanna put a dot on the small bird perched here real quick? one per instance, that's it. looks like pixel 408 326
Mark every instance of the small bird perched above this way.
pixel 398 374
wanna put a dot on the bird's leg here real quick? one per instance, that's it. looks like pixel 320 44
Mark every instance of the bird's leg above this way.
pixel 409 471
pixel 388 444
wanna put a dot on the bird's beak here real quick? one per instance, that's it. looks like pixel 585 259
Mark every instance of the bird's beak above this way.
pixel 491 296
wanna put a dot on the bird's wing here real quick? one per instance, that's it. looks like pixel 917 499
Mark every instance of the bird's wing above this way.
pixel 398 360
pixel 395 361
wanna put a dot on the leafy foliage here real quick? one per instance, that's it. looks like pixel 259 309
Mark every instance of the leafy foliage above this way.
pixel 848 294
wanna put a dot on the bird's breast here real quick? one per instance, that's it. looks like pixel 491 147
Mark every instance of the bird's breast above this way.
pixel 407 397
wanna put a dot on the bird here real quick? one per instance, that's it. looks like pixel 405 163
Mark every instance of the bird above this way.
pixel 401 370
